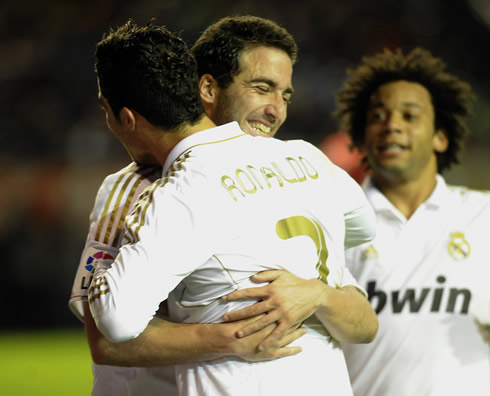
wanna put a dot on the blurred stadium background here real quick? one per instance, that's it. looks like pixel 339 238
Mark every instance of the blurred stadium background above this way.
pixel 55 149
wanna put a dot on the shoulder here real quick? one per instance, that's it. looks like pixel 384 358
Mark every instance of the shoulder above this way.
pixel 116 197
pixel 470 201
pixel 132 177
pixel 132 171
pixel 469 196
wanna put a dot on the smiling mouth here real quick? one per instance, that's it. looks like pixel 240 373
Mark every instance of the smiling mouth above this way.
pixel 392 148
pixel 260 128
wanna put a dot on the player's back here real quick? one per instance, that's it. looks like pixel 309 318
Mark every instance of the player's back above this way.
pixel 264 204
pixel 231 205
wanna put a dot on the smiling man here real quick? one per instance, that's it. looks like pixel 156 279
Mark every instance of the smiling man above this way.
pixel 249 71
pixel 245 65
pixel 195 244
pixel 423 269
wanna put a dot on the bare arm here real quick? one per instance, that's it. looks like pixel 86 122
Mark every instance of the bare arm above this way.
pixel 288 299
pixel 347 315
pixel 166 343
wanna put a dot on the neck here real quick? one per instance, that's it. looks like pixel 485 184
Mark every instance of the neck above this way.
pixel 160 143
pixel 406 195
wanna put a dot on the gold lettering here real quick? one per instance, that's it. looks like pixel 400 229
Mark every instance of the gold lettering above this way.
pixel 228 183
pixel 296 168
pixel 252 171
pixel 282 174
pixel 305 162
pixel 253 188
pixel 268 173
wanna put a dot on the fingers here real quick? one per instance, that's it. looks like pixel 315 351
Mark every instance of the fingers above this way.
pixel 279 333
pixel 247 312
pixel 284 352
pixel 257 325
pixel 261 292
pixel 278 349
pixel 293 336
pixel 251 293
pixel 267 276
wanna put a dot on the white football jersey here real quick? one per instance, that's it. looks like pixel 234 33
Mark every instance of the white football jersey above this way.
pixel 230 205
pixel 115 199
pixel 419 274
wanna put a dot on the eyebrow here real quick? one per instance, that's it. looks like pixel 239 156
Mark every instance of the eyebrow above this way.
pixel 404 104
pixel 273 84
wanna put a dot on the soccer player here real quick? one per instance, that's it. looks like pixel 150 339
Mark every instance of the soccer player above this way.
pixel 273 46
pixel 245 64
pixel 228 205
pixel 267 94
pixel 408 114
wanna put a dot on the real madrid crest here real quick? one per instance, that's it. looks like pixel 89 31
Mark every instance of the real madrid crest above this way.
pixel 458 247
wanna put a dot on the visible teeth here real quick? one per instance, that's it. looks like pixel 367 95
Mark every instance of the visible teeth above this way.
pixel 260 127
pixel 393 147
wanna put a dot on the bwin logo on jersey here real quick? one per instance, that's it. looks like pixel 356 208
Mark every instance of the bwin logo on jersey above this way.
pixel 458 247
pixel 92 260
pixel 428 299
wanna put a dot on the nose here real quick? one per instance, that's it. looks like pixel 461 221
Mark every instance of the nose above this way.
pixel 393 123
pixel 276 109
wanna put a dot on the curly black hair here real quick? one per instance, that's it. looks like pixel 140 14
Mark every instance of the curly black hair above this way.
pixel 218 49
pixel 452 98
pixel 150 70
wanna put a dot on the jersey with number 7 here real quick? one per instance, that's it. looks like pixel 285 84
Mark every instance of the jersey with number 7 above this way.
pixel 230 205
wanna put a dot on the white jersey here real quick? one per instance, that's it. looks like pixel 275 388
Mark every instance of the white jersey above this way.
pixel 115 199
pixel 419 274
pixel 231 205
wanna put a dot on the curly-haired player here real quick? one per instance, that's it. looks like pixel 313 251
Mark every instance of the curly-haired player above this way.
pixel 407 113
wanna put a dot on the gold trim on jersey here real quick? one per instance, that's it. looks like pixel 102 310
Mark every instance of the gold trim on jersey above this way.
pixel 139 212
pixel 96 296
pixel 146 199
pixel 94 291
pixel 112 220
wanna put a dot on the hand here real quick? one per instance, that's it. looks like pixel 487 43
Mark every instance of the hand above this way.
pixel 288 300
pixel 247 349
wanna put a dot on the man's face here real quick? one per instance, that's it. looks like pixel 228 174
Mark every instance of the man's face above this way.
pixel 400 139
pixel 259 95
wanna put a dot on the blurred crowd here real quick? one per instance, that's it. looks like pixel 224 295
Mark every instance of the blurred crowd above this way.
pixel 55 149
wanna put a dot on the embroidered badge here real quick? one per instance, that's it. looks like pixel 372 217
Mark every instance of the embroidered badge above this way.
pixel 92 260
pixel 458 246
pixel 370 253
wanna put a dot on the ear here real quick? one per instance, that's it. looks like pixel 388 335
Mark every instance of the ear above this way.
pixel 128 118
pixel 208 89
pixel 440 141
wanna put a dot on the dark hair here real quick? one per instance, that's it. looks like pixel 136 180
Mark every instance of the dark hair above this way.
pixel 218 50
pixel 451 97
pixel 150 70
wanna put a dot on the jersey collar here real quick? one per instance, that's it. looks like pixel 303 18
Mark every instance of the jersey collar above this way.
pixel 380 203
pixel 211 135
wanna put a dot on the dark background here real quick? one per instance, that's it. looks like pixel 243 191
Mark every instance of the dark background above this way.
pixel 55 149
